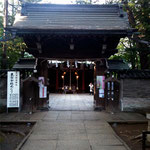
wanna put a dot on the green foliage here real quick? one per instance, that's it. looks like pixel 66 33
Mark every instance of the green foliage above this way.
pixel 134 52
pixel 83 1
pixel 14 51
pixel 141 12
pixel 113 1
pixel 15 48
pixel 128 52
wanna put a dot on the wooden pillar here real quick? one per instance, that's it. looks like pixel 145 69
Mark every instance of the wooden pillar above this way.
pixel 43 72
pixel 57 82
pixel 83 80
pixel 99 70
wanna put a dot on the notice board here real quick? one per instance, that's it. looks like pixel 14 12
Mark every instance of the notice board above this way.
pixel 13 89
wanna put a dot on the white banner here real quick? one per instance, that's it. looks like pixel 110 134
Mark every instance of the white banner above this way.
pixel 13 89
pixel 43 92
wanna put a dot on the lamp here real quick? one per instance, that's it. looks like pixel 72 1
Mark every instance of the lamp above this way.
pixel 77 77
pixel 63 81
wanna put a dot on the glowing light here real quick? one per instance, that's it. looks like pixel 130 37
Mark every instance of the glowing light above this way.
pixel 77 77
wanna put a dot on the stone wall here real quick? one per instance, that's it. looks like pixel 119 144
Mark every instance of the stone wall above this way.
pixel 137 88
pixel 135 95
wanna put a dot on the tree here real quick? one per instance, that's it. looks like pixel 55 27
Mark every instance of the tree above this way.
pixel 83 1
pixel 127 51
pixel 138 13
pixel 16 47
pixel 113 1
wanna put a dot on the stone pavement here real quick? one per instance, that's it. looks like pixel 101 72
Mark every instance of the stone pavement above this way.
pixel 71 102
pixel 73 130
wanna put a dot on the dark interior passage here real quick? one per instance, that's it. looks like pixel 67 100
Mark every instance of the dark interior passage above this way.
pixel 76 78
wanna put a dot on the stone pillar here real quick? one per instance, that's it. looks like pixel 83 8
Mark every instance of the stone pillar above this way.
pixel 99 70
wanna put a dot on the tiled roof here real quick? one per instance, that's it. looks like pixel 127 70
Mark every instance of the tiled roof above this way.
pixel 26 63
pixel 117 65
pixel 135 74
pixel 71 17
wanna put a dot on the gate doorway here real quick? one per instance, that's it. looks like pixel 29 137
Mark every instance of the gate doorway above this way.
pixel 70 77
pixel 69 84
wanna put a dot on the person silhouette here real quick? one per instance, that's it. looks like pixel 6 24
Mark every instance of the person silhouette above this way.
pixel 91 88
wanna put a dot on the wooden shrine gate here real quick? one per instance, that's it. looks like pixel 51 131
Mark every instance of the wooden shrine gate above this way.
pixel 78 32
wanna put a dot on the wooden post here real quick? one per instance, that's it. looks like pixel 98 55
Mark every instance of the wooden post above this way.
pixel 70 87
pixel 148 129
pixel 57 84
pixel 5 23
pixel 83 81
pixel 43 72
pixel 99 70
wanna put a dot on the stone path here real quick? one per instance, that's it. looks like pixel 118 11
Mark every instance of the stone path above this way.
pixel 71 102
pixel 73 130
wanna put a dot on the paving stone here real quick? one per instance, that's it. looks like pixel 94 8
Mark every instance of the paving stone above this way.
pixel 77 117
pixel 94 131
pixel 105 142
pixel 101 136
pixel 40 145
pixel 108 148
pixel 73 145
pixel 38 116
pixel 44 137
pixel 72 130
pixel 71 102
pixel 75 136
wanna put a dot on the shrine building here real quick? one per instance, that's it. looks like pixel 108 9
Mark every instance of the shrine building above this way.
pixel 71 44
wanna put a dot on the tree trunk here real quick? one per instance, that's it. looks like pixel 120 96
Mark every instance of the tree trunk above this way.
pixel 4 56
pixel 144 60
